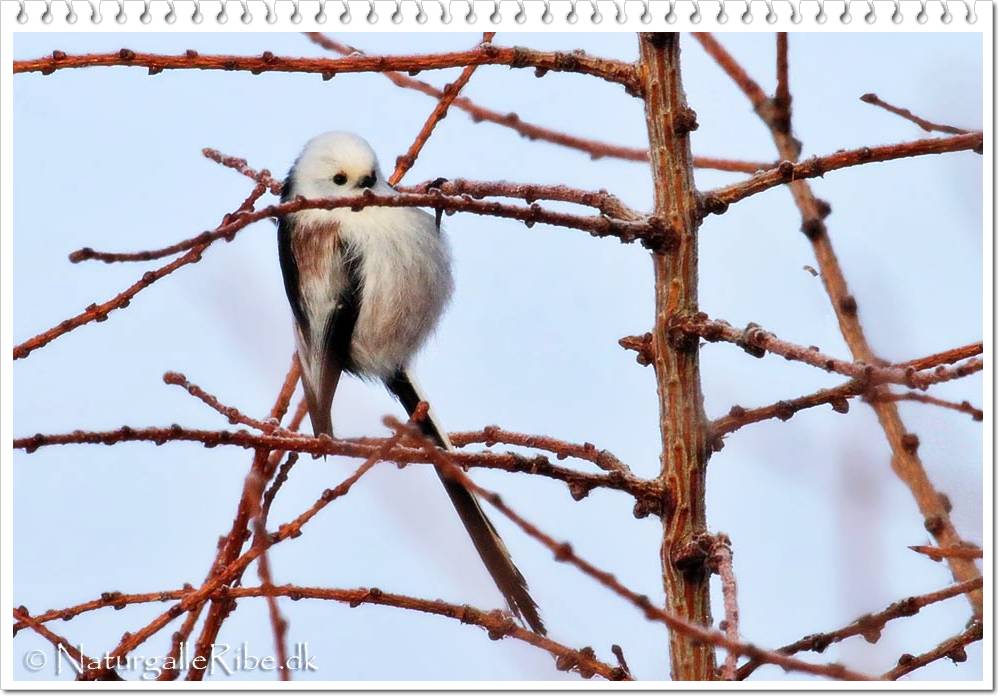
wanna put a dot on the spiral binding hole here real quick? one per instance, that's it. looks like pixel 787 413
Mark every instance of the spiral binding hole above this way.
pixel 622 14
pixel 547 17
pixel 521 15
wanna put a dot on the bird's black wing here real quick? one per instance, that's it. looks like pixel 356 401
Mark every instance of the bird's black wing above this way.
pixel 289 266
pixel 333 353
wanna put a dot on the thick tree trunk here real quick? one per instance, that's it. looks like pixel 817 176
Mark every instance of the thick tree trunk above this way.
pixel 677 365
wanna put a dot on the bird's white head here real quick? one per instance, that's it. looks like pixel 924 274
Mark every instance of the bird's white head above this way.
pixel 337 164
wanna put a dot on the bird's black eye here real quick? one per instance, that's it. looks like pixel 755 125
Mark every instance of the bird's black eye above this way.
pixel 340 179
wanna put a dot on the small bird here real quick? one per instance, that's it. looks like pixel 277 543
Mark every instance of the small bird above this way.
pixel 366 288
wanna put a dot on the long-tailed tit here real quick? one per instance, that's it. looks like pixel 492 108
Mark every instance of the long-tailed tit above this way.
pixel 366 288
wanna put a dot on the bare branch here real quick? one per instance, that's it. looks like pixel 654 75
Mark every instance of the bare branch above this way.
pixel 100 312
pixel 497 623
pixel 937 553
pixel 718 200
pixel 720 561
pixel 869 626
pixel 648 494
pixel 564 553
pixel 450 92
pixel 925 125
pixel 594 148
pixel 905 460
pixel 756 341
pixel 954 648
pixel 963 407
pixel 838 396
pixel 486 54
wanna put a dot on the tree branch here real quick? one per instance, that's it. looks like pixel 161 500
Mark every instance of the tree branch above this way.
pixel 869 626
pixel 925 125
pixel 677 366
pixel 905 460
pixel 486 54
pixel 564 553
pixel 717 200
pixel 954 648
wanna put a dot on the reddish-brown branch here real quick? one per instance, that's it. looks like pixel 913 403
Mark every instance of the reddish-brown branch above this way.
pixel 953 648
pixel 945 357
pixel 730 165
pixel 80 662
pixel 736 72
pixel 905 460
pixel 785 409
pixel 937 553
pixel 757 342
pixel 683 427
pixel 181 636
pixel 782 98
pixel 234 569
pixel 564 553
pixel 869 626
pixel 281 475
pixel 486 54
pixel 278 623
pixel 925 125
pixel 450 92
pixel 721 562
pixel 605 202
pixel 261 470
pixel 650 231
pixel 717 200
pixel 627 231
pixel 492 434
pixel 100 312
pixel 234 415
pixel 594 148
pixel 838 396
pixel 498 624
pixel 242 166
pixel 963 407
pixel 648 494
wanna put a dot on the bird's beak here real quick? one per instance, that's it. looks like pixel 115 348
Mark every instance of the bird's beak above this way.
pixel 367 182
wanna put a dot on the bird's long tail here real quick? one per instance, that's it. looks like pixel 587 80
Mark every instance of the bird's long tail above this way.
pixel 485 537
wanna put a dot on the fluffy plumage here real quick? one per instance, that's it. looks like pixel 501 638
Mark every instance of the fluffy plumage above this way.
pixel 366 289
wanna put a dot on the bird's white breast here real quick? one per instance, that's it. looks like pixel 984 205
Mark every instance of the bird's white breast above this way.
pixel 406 283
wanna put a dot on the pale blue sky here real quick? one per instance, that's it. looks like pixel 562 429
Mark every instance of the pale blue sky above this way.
pixel 110 158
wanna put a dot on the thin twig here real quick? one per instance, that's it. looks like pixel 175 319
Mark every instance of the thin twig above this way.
pixel 99 312
pixel 938 553
pixel 904 460
pixel 757 342
pixel 717 200
pixel 925 125
pixel 498 624
pixel 954 648
pixel 869 626
pixel 492 434
pixel 80 662
pixel 563 552
pixel 594 148
pixel 963 407
pixel 450 92
pixel 720 560
pixel 288 530
pixel 837 397
pixel 647 493
pixel 486 54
